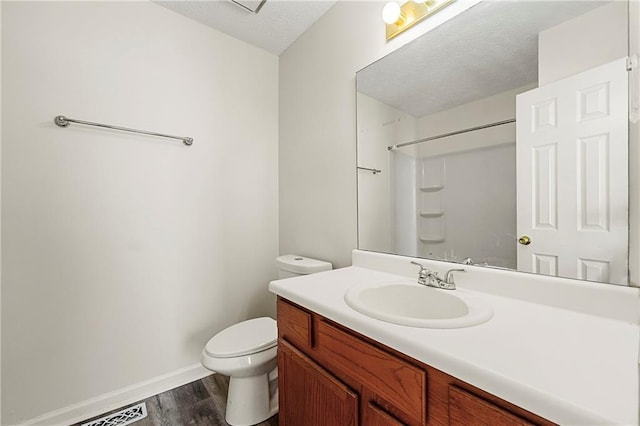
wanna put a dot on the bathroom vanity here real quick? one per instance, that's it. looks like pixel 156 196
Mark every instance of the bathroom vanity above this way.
pixel 490 175
pixel 330 374
pixel 531 363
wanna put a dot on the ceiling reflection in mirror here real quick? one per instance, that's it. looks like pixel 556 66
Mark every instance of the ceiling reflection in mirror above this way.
pixel 502 137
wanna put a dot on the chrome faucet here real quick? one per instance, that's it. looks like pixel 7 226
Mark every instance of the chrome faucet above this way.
pixel 448 276
pixel 432 279
pixel 425 275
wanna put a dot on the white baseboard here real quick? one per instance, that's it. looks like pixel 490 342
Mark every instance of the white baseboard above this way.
pixel 110 401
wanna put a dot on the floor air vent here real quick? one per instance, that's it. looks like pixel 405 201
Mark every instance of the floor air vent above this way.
pixel 121 418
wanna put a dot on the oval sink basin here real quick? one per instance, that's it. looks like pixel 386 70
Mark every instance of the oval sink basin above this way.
pixel 416 305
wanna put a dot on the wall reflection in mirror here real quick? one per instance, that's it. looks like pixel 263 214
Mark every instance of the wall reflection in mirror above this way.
pixel 502 136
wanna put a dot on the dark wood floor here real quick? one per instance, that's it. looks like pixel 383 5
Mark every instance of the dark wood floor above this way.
pixel 200 403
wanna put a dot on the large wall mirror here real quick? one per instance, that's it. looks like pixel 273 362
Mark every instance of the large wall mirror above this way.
pixel 500 138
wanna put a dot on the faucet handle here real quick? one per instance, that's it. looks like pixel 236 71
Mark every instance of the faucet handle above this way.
pixel 422 268
pixel 424 273
pixel 448 277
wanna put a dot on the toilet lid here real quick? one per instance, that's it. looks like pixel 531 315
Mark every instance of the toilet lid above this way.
pixel 244 338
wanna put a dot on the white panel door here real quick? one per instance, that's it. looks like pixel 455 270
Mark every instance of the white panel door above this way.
pixel 572 176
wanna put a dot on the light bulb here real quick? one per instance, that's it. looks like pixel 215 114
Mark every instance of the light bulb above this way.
pixel 391 13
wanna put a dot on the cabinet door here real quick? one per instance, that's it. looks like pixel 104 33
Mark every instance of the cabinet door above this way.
pixel 376 416
pixel 309 395
pixel 398 383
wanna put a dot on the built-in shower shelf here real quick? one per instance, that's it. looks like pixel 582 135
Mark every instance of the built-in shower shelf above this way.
pixel 433 213
pixel 431 240
pixel 431 188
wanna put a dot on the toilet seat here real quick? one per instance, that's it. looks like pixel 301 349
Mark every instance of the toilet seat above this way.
pixel 245 338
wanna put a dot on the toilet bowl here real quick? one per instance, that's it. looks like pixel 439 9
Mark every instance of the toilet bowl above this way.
pixel 247 353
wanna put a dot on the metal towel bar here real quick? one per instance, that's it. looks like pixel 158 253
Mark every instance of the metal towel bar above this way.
pixel 63 121
pixel 374 171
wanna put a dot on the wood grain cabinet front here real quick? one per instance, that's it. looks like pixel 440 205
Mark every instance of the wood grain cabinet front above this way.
pixel 397 384
pixel 376 416
pixel 294 324
pixel 309 395
pixel 466 409
pixel 333 376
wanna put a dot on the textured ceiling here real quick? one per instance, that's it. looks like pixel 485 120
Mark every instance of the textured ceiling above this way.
pixel 491 48
pixel 278 23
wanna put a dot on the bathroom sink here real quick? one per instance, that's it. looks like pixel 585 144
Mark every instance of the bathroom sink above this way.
pixel 415 305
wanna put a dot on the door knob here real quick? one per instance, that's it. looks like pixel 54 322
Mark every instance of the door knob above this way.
pixel 524 240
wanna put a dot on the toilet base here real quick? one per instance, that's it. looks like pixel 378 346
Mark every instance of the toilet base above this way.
pixel 249 400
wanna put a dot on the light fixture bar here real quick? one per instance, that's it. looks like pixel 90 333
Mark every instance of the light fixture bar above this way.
pixel 412 13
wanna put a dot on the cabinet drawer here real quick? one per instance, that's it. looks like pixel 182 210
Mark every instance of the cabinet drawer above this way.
pixel 398 383
pixel 468 409
pixel 294 324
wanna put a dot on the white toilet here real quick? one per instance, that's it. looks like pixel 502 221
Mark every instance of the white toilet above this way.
pixel 247 353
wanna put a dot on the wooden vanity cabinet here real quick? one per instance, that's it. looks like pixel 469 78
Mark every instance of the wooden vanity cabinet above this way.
pixel 375 416
pixel 313 396
pixel 332 376
pixel 467 409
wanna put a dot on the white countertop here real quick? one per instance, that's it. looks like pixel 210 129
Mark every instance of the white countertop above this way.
pixel 566 366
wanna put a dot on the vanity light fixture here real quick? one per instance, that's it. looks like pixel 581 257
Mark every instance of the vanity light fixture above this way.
pixel 400 18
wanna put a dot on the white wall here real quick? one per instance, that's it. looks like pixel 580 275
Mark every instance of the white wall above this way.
pixel 123 254
pixel 317 127
pixel 0 219
pixel 379 125
pixel 634 149
pixel 499 107
pixel 592 39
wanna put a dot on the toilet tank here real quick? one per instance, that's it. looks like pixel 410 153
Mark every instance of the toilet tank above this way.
pixel 291 265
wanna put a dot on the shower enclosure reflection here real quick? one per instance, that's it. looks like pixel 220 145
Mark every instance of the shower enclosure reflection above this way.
pixel 453 197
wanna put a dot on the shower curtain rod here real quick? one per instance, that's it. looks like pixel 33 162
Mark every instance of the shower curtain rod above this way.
pixel 458 132
pixel 62 121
